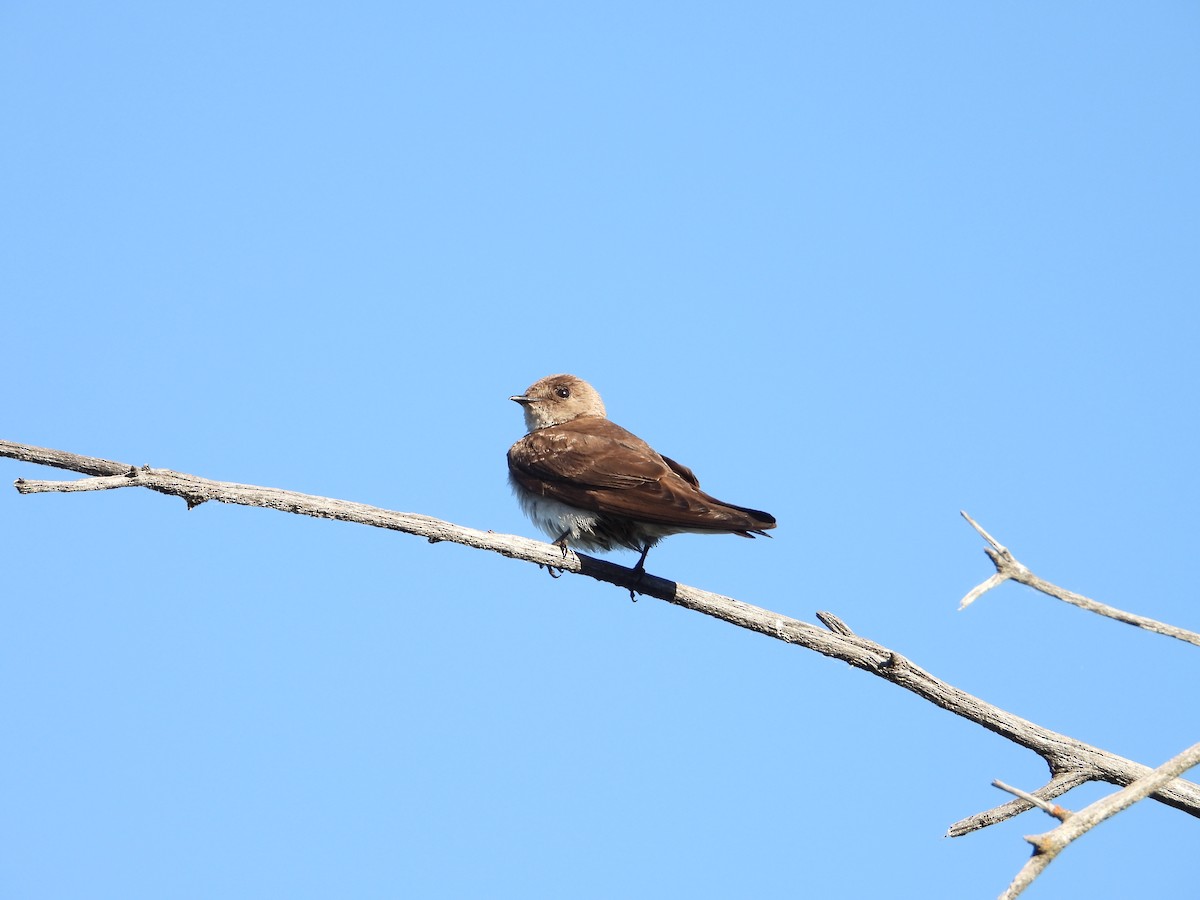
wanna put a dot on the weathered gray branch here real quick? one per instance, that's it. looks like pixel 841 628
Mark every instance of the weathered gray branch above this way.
pixel 1071 762
pixel 1057 786
pixel 1007 567
pixel 1049 808
pixel 1047 846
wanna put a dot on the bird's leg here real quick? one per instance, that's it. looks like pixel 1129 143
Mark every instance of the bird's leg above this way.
pixel 640 568
pixel 641 563
pixel 561 543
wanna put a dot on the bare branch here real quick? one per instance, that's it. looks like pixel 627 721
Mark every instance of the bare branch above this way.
pixel 1071 761
pixel 1007 567
pixel 982 588
pixel 101 483
pixel 996 545
pixel 1047 846
pixel 1055 810
pixel 1055 787
pixel 60 459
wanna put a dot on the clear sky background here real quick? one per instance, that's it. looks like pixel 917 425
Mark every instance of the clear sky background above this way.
pixel 862 265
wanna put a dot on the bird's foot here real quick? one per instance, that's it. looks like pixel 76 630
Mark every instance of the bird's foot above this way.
pixel 561 544
pixel 639 570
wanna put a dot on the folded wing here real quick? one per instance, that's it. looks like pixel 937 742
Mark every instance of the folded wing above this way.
pixel 593 464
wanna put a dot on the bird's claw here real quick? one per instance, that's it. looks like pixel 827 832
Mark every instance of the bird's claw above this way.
pixel 639 570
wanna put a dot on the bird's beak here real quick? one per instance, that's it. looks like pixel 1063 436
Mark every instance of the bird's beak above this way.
pixel 521 399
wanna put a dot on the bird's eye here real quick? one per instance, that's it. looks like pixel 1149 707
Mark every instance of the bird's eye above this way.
pixel 563 391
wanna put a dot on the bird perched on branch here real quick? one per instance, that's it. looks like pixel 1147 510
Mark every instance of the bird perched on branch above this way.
pixel 590 484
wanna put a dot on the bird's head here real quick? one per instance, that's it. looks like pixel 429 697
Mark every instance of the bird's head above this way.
pixel 557 399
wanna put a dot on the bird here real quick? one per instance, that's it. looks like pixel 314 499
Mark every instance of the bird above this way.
pixel 587 482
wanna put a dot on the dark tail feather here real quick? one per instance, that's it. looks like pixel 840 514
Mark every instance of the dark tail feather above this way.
pixel 762 520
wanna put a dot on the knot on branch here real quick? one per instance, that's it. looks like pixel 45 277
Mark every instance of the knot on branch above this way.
pixel 1006 564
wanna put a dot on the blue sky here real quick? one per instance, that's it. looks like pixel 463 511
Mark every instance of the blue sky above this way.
pixel 861 265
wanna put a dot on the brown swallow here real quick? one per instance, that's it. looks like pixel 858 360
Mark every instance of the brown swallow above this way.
pixel 588 482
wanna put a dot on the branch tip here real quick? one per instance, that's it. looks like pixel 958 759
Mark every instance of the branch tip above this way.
pixel 980 589
pixel 983 532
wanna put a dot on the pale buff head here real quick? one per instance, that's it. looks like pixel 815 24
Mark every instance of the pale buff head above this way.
pixel 557 399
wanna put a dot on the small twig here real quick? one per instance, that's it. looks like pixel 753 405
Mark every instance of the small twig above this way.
pixel 1047 846
pixel 1007 567
pixel 833 623
pixel 1001 576
pixel 996 545
pixel 982 588
pixel 1055 787
pixel 1059 812
pixel 99 483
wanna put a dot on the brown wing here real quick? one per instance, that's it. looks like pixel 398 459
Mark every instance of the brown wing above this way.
pixel 682 471
pixel 591 463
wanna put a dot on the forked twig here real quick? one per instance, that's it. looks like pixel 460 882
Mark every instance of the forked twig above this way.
pixel 1007 567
